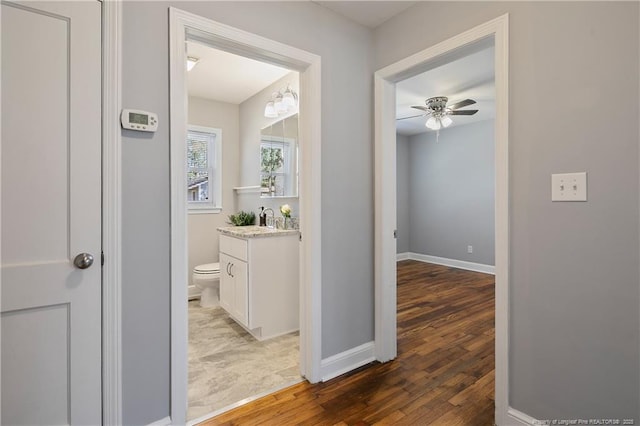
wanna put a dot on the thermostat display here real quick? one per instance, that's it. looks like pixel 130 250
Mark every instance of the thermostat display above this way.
pixel 142 121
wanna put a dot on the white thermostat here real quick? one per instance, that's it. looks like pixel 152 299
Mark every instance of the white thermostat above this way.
pixel 142 121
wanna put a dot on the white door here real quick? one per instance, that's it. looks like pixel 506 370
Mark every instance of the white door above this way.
pixel 51 212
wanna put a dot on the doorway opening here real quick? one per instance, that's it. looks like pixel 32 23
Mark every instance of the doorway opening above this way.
pixel 493 33
pixel 186 29
pixel 445 208
pixel 235 140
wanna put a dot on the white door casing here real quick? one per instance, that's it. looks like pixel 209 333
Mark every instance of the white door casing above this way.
pixel 181 24
pixel 495 31
pixel 51 211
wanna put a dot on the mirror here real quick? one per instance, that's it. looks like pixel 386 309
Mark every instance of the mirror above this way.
pixel 279 158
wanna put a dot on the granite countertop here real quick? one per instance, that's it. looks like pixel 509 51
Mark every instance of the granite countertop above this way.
pixel 255 231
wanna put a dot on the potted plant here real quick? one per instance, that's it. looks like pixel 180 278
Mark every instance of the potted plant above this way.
pixel 243 218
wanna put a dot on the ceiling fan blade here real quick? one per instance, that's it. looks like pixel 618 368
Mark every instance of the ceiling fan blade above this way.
pixel 423 108
pixel 413 116
pixel 464 112
pixel 461 104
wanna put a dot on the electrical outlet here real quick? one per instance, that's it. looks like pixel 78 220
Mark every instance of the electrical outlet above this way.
pixel 569 187
pixel 469 249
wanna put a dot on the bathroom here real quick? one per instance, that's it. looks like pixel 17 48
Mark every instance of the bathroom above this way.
pixel 226 116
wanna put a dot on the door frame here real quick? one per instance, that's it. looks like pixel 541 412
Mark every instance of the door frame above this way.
pixel 111 213
pixel 309 66
pixel 386 78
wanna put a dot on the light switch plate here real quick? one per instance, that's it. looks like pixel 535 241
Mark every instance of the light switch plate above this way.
pixel 569 187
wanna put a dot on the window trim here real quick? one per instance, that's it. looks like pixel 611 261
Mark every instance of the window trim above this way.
pixel 214 205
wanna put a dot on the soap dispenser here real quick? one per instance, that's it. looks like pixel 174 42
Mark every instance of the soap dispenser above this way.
pixel 263 217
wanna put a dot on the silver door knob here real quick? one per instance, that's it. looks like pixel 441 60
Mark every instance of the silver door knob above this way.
pixel 83 261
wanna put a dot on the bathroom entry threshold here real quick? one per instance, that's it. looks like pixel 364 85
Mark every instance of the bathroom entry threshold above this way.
pixel 243 402
pixel 227 364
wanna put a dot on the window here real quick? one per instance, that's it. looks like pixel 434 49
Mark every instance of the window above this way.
pixel 277 174
pixel 204 169
pixel 279 158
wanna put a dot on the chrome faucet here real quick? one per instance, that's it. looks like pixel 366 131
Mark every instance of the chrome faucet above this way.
pixel 273 218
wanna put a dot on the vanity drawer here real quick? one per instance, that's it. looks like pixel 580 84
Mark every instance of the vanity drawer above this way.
pixel 233 247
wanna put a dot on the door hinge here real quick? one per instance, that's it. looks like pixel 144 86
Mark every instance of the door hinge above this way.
pixel 101 258
pixel 300 236
pixel 395 233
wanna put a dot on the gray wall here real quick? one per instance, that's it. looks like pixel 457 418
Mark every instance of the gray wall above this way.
pixel 574 304
pixel 451 204
pixel 201 228
pixel 347 163
pixel 403 191
pixel 574 266
pixel 145 221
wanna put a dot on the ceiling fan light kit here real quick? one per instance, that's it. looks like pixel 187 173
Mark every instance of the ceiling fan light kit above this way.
pixel 437 123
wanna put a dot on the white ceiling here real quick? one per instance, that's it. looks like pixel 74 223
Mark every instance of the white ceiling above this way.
pixel 367 13
pixel 471 77
pixel 235 82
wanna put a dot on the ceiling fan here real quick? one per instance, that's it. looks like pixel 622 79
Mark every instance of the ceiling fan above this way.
pixel 438 111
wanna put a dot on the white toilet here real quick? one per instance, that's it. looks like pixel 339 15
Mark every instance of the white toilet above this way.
pixel 207 278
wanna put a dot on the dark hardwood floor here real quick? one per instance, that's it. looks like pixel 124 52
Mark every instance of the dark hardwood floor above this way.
pixel 443 375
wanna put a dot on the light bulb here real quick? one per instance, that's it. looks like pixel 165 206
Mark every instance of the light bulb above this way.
pixel 433 123
pixel 280 106
pixel 446 121
pixel 270 110
pixel 288 98
pixel 192 61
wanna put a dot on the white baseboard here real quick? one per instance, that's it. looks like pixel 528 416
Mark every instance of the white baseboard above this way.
pixel 518 418
pixel 162 422
pixel 346 361
pixel 461 264
pixel 402 256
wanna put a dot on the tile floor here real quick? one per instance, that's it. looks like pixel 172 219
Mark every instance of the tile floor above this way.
pixel 227 365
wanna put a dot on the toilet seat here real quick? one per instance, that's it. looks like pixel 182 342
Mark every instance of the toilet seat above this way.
pixel 207 268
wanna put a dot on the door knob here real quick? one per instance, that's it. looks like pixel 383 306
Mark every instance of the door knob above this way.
pixel 83 261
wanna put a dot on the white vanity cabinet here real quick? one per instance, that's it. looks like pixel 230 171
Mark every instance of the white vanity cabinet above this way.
pixel 234 288
pixel 259 280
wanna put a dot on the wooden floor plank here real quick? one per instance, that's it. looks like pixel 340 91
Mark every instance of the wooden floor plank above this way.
pixel 444 373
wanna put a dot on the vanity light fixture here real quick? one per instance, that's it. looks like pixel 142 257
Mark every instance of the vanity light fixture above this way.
pixel 281 103
pixel 192 61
